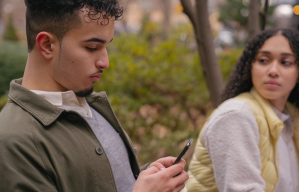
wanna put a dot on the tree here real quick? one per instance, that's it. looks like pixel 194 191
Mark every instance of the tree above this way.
pixel 125 4
pixel 199 18
pixel 1 9
pixel 245 14
pixel 10 31
pixel 211 69
pixel 166 8
pixel 233 13
pixel 1 12
pixel 264 15
pixel 253 18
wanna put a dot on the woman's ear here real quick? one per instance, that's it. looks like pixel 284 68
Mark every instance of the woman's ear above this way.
pixel 44 43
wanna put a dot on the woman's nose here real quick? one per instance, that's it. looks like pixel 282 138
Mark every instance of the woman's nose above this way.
pixel 274 68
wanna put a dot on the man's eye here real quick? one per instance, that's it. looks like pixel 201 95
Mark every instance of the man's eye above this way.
pixel 91 49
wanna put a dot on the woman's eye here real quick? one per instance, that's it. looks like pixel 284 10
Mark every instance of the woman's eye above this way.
pixel 91 49
pixel 263 60
pixel 286 63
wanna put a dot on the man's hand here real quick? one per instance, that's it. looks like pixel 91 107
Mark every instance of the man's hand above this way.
pixel 162 176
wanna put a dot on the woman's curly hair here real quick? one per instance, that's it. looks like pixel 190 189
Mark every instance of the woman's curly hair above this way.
pixel 60 16
pixel 240 80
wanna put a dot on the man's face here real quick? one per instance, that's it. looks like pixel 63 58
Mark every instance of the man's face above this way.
pixel 83 56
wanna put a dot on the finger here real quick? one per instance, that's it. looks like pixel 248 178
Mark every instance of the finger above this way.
pixel 181 178
pixel 167 161
pixel 182 162
pixel 179 188
pixel 174 170
pixel 159 166
pixel 150 171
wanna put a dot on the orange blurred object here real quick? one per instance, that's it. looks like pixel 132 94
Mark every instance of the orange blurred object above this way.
pixel 296 9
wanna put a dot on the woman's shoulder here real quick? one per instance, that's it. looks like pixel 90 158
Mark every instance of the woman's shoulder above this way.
pixel 233 112
pixel 234 107
pixel 233 117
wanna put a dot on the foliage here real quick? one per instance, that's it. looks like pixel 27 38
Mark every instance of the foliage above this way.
pixel 231 11
pixel 12 63
pixel 10 33
pixel 227 61
pixel 156 88
pixel 234 13
pixel 3 101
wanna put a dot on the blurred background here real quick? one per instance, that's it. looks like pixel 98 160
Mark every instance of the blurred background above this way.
pixel 169 61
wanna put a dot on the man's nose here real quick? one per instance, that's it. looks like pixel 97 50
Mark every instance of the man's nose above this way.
pixel 103 60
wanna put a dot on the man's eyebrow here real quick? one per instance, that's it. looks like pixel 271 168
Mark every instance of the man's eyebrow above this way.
pixel 97 40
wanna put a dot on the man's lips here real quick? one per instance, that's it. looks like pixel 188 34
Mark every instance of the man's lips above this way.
pixel 95 77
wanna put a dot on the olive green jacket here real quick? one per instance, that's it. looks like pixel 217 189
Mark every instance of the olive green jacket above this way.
pixel 45 148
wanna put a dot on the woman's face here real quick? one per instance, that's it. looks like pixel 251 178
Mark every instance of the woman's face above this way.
pixel 274 71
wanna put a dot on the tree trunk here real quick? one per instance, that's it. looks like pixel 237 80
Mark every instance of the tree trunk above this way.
pixel 1 10
pixel 211 68
pixel 190 12
pixel 166 21
pixel 264 15
pixel 125 4
pixel 253 18
pixel 1 19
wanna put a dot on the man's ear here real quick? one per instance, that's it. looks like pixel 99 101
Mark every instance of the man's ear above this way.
pixel 45 44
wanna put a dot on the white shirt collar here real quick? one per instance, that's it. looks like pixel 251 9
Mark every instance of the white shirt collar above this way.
pixel 66 100
pixel 283 116
pixel 288 130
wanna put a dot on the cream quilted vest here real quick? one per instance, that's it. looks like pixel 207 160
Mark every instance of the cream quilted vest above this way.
pixel 201 177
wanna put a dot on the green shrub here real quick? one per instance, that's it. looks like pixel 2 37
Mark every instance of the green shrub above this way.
pixel 227 61
pixel 158 90
pixel 13 57
pixel 10 33
pixel 156 87
pixel 3 101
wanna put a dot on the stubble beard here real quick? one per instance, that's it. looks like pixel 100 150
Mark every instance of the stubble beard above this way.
pixel 84 93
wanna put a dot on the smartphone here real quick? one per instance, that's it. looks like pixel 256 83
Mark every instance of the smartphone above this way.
pixel 183 152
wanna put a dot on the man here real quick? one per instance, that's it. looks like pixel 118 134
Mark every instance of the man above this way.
pixel 56 134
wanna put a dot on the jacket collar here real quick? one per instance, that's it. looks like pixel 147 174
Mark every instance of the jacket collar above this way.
pixel 47 113
pixel 294 111
pixel 275 124
pixel 37 106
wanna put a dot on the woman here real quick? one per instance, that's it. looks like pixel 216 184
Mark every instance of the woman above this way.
pixel 251 141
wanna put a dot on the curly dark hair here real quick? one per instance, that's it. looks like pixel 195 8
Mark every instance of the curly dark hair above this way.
pixel 60 16
pixel 240 80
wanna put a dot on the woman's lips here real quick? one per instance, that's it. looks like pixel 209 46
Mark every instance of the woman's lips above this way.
pixel 272 84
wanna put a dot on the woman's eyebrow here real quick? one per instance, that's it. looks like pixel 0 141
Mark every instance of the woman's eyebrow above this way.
pixel 265 52
pixel 288 54
pixel 269 53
